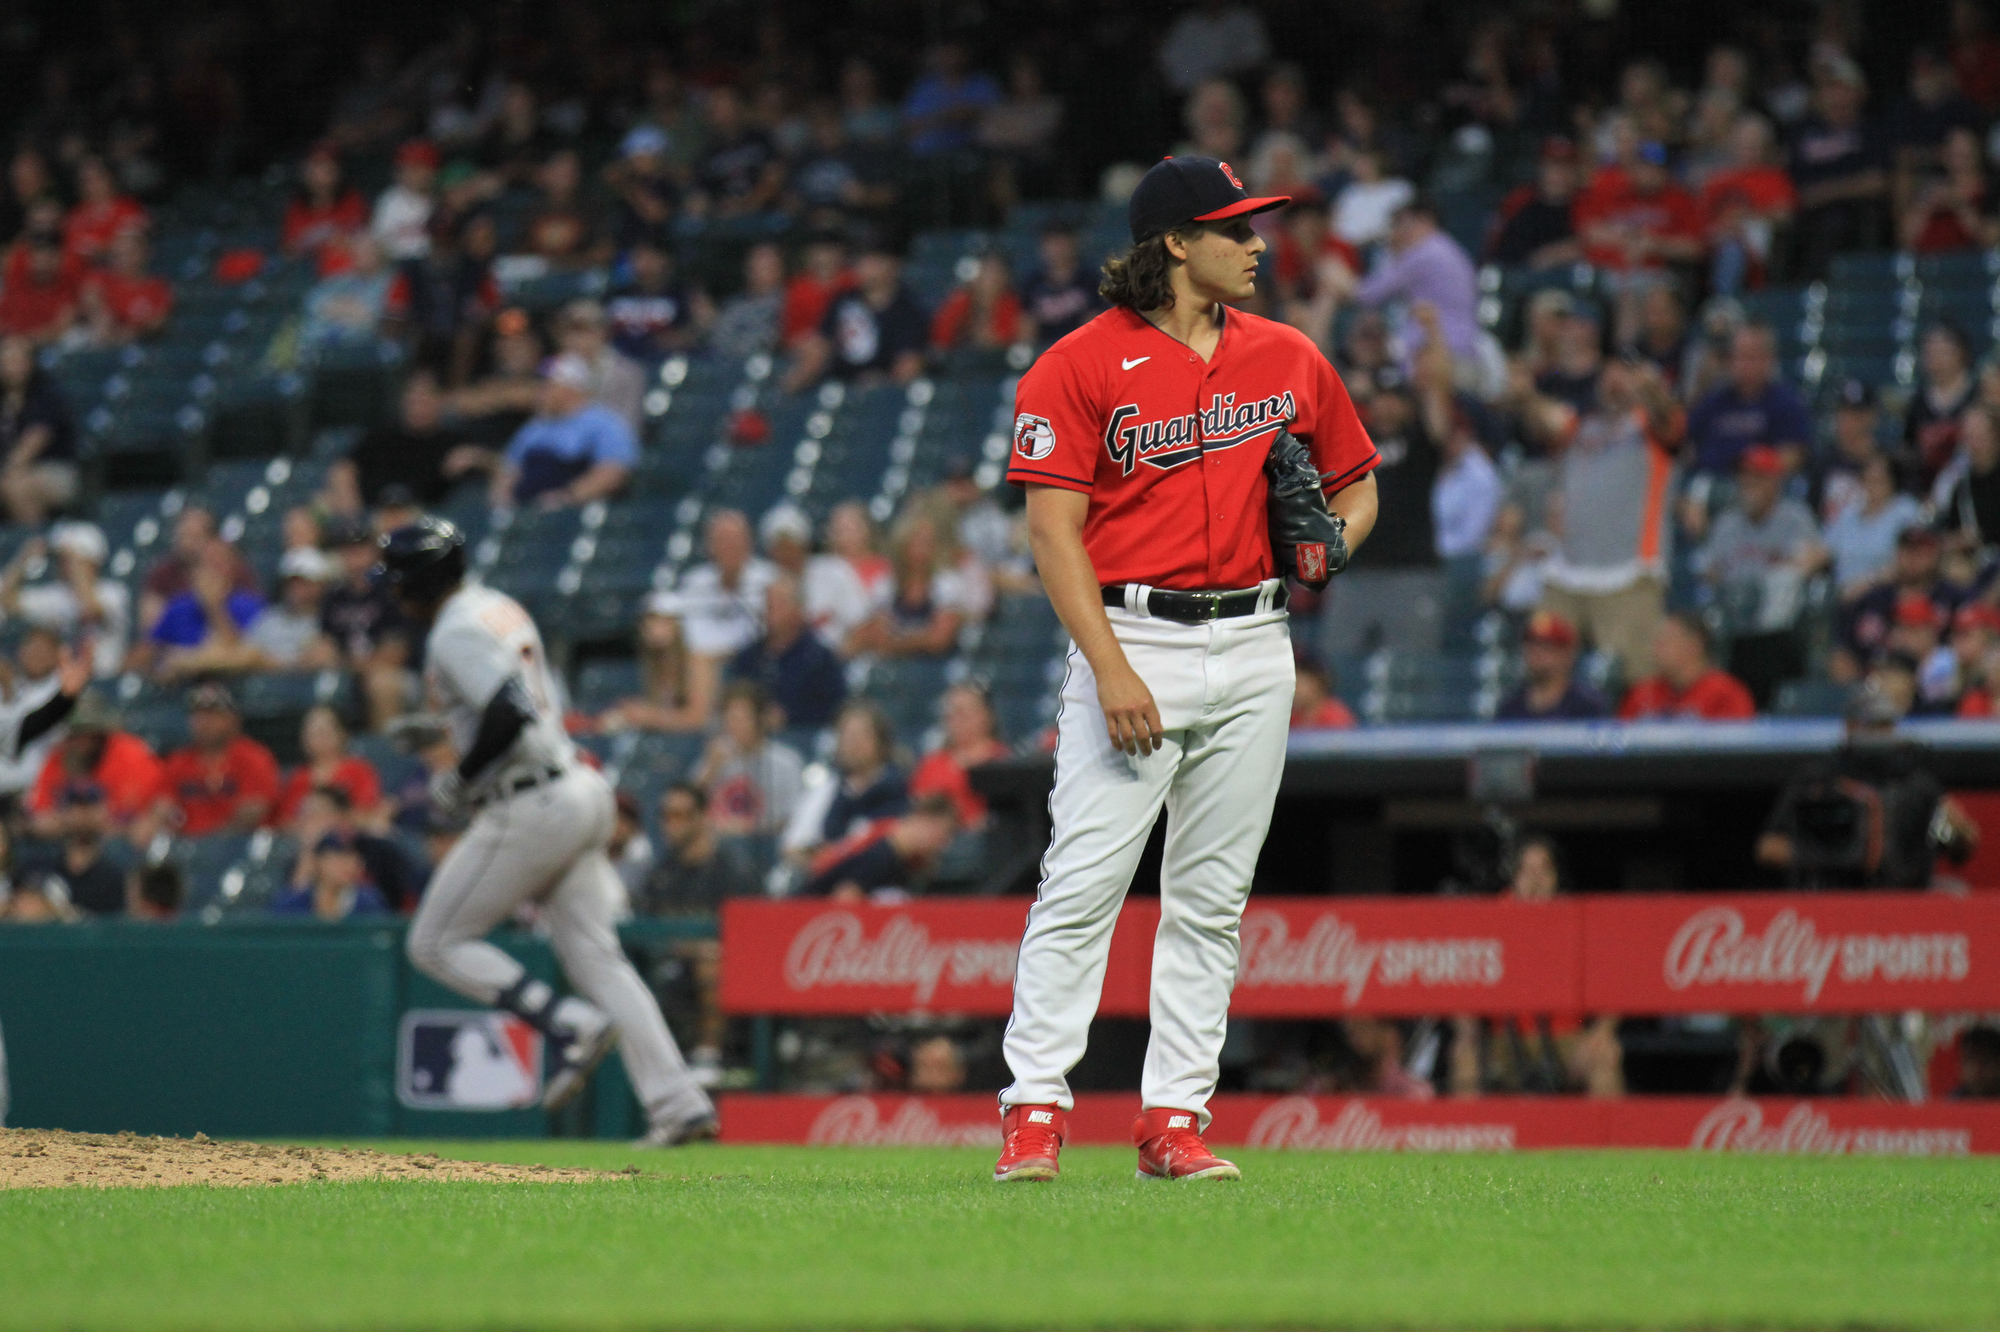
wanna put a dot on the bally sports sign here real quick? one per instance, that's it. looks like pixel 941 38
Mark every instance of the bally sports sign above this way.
pixel 1299 957
pixel 1306 957
pixel 1833 1127
pixel 1828 953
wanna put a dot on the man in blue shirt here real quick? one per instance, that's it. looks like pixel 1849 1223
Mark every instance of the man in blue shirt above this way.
pixel 877 329
pixel 942 108
pixel 1551 691
pixel 1752 408
pixel 330 883
pixel 798 672
pixel 208 619
pixel 572 451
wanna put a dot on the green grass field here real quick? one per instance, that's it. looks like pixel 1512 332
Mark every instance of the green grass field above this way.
pixel 794 1237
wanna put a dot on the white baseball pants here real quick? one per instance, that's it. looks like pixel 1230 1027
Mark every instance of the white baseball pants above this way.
pixel 548 844
pixel 1224 691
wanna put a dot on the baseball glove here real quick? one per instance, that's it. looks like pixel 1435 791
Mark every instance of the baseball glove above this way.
pixel 1309 542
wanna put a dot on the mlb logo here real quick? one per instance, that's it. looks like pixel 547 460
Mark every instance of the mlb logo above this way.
pixel 1312 562
pixel 459 1059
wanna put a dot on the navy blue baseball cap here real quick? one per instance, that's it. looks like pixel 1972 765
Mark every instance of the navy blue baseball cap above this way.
pixel 1191 188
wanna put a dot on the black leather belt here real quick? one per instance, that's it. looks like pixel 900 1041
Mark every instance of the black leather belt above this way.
pixel 1200 607
pixel 507 790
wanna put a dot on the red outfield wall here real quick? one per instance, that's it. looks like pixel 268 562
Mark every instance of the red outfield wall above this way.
pixel 1337 1123
pixel 1324 957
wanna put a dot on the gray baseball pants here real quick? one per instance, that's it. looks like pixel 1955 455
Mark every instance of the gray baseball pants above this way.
pixel 548 845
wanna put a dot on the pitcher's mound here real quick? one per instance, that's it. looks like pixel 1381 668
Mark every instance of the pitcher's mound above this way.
pixel 43 1159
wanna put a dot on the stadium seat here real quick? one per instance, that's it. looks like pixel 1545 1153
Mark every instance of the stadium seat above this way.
pixel 392 765
pixel 907 690
pixel 1959 270
pixel 1877 270
pixel 204 861
pixel 291 693
pixel 1810 698
pixel 263 872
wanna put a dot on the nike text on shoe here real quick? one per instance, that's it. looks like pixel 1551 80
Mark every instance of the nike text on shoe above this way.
pixel 1170 1147
pixel 1032 1136
pixel 587 1036
pixel 702 1128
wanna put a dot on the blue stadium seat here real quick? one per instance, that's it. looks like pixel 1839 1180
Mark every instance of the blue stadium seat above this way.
pixel 1810 698
pixel 391 764
pixel 204 862
pixel 1871 270
pixel 261 874
pixel 907 689
pixel 1964 269
pixel 292 693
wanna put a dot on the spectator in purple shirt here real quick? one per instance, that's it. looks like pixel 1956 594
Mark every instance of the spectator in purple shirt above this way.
pixel 1551 692
pixel 1424 265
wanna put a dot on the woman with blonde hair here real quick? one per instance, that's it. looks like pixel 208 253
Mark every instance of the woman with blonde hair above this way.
pixel 935 589
pixel 678 687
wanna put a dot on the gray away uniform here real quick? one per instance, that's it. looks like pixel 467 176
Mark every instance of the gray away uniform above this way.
pixel 543 823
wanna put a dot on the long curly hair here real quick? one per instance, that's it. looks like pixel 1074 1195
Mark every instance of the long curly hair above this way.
pixel 1141 278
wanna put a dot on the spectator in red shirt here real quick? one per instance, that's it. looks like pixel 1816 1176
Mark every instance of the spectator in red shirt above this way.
pixel 1975 53
pixel 1688 687
pixel 1743 204
pixel 95 750
pixel 969 741
pixel 326 210
pixel 1314 268
pixel 222 782
pixel 1633 229
pixel 825 275
pixel 328 764
pixel 122 301
pixel 1955 211
pixel 39 301
pixel 1314 706
pixel 100 214
pixel 983 314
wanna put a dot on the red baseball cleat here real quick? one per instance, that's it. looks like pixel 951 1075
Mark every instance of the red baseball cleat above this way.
pixel 1170 1147
pixel 1034 1135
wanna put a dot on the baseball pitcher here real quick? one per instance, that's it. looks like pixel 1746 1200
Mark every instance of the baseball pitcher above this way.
pixel 1166 446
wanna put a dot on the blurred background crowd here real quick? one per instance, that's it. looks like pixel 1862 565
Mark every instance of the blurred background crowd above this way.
pixel 1673 325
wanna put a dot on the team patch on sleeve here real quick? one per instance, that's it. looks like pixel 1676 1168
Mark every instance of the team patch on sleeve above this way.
pixel 1034 437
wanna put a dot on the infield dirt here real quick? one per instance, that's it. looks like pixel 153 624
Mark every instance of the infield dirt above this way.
pixel 49 1159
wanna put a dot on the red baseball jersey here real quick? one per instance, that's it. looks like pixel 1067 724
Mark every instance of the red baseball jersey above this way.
pixel 1171 449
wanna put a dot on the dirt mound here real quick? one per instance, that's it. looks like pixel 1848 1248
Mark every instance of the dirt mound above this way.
pixel 44 1159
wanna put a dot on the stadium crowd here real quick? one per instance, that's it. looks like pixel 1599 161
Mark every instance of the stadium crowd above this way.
pixel 1561 281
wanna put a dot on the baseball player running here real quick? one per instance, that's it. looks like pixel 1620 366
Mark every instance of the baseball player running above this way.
pixel 1144 440
pixel 542 823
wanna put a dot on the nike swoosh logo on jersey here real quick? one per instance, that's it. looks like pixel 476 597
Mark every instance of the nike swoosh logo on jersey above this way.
pixel 1127 365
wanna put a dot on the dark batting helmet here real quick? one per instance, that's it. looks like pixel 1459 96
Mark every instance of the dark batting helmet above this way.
pixel 424 560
